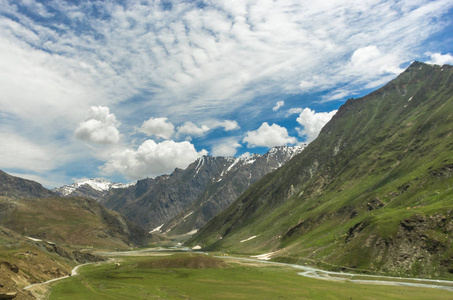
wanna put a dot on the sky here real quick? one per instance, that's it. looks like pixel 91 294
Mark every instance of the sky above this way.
pixel 125 90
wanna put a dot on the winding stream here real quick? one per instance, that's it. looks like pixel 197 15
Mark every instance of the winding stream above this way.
pixel 340 276
pixel 306 271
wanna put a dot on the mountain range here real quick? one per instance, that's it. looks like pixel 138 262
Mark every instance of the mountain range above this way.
pixel 373 193
pixel 186 199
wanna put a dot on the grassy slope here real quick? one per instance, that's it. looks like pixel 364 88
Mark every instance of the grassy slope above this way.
pixel 180 277
pixel 382 163
pixel 74 221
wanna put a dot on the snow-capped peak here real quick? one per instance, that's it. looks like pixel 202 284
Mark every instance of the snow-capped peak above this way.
pixel 97 184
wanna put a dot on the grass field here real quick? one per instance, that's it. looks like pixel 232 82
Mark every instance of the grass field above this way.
pixel 198 276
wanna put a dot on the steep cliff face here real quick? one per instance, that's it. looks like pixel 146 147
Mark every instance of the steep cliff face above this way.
pixel 203 189
pixel 374 191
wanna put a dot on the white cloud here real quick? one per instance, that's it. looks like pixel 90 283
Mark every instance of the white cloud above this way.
pixel 50 182
pixel 278 105
pixel 225 147
pixel 196 59
pixel 363 56
pixel 228 125
pixel 312 123
pixel 294 110
pixel 440 59
pixel 337 94
pixel 189 63
pixel 159 127
pixel 191 129
pixel 17 152
pixel 371 63
pixel 152 159
pixel 268 136
pixel 100 127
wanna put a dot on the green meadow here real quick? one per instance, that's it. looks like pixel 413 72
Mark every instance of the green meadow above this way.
pixel 198 276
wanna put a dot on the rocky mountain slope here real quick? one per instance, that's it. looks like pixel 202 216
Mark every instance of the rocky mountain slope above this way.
pixel 373 193
pixel 187 199
pixel 25 261
pixel 74 221
pixel 11 186
pixel 94 188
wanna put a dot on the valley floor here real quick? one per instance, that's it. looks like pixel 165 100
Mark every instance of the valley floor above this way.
pixel 175 274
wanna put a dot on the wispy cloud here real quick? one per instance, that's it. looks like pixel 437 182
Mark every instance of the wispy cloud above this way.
pixel 226 147
pixel 194 63
pixel 278 105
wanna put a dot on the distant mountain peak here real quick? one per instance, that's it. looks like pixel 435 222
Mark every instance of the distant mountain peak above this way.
pixel 97 184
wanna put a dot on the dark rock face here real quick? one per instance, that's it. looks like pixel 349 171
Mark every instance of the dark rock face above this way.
pixel 202 190
pixel 16 187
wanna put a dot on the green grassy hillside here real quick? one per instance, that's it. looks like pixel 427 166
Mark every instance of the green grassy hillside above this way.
pixel 372 193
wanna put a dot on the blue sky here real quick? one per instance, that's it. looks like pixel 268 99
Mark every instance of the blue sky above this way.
pixel 131 89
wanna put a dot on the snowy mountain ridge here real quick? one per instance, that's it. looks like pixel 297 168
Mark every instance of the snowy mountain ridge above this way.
pixel 97 184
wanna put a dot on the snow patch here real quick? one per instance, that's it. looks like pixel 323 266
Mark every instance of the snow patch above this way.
pixel 199 165
pixel 33 239
pixel 266 256
pixel 233 164
pixel 410 98
pixel 250 238
pixel 193 231
pixel 157 229
pixel 122 185
pixel 187 216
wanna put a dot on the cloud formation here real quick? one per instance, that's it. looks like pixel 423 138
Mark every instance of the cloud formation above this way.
pixel 228 125
pixel 440 59
pixel 19 153
pixel 190 129
pixel 278 105
pixel 152 159
pixel 225 147
pixel 312 123
pixel 159 127
pixel 268 136
pixel 100 127
pixel 193 62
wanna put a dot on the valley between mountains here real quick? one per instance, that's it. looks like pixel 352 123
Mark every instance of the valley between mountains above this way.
pixel 371 195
